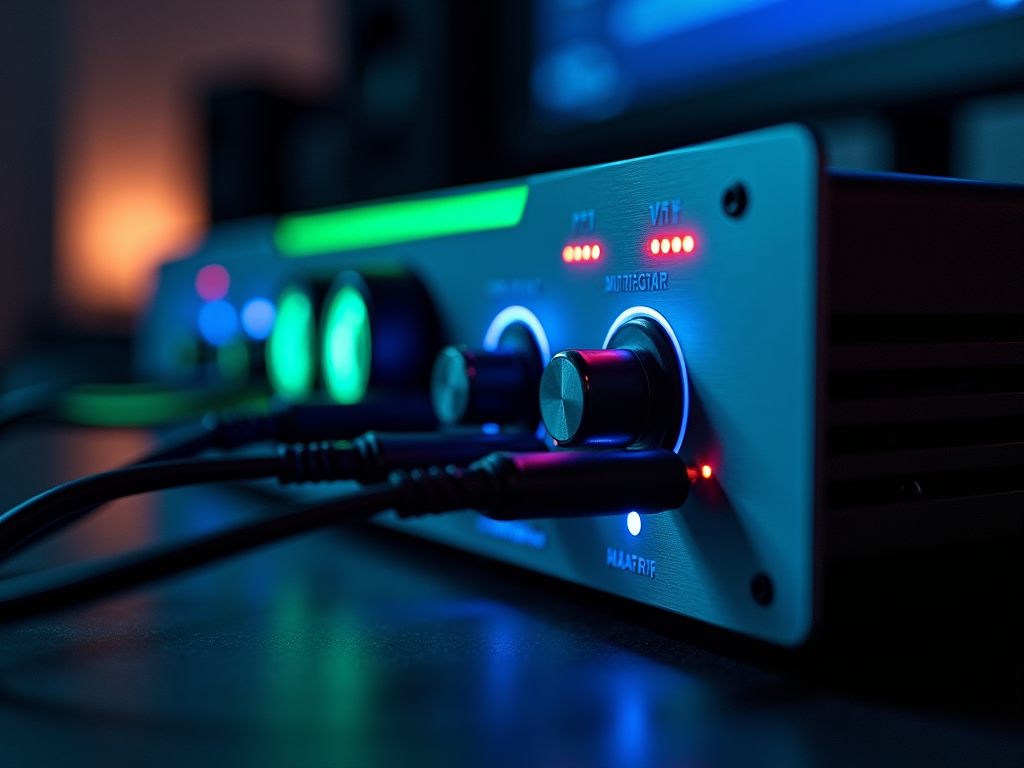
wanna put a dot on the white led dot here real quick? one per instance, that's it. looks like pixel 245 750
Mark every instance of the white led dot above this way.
pixel 633 523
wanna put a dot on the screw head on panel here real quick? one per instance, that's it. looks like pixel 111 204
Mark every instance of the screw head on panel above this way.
pixel 734 200
pixel 761 589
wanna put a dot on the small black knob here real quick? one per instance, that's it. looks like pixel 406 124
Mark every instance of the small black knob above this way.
pixel 595 397
pixel 476 387
pixel 628 396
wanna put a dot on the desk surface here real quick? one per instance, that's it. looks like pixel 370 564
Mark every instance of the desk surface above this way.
pixel 363 647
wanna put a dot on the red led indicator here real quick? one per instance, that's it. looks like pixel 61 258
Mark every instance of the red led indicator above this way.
pixel 588 252
pixel 212 282
pixel 696 473
pixel 676 244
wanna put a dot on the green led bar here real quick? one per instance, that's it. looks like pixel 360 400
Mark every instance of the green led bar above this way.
pixel 402 221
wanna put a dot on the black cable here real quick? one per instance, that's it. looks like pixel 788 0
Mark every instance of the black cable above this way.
pixel 505 486
pixel 236 427
pixel 95 580
pixel 367 459
pixel 300 423
pixel 233 428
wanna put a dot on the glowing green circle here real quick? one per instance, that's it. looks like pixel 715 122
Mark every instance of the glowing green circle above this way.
pixel 346 350
pixel 291 348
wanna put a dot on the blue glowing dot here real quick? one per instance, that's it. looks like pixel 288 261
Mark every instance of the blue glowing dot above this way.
pixel 633 523
pixel 258 318
pixel 490 428
pixel 218 322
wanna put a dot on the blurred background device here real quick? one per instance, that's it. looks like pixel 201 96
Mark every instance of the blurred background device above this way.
pixel 133 128
pixel 884 83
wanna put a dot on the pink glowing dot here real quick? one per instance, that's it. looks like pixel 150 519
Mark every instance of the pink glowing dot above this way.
pixel 212 282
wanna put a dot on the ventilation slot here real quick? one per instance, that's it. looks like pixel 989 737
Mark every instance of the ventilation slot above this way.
pixel 924 408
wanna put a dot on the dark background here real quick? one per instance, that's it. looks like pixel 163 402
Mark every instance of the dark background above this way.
pixel 129 127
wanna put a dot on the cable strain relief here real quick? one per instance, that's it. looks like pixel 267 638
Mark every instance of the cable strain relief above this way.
pixel 441 489
pixel 235 427
pixel 369 459
pixel 316 462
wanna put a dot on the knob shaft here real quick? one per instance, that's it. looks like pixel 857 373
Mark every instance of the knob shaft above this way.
pixel 476 387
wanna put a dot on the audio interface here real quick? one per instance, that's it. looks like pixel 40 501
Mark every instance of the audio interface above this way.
pixel 837 357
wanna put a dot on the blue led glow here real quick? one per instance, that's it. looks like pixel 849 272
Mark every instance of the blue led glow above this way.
pixel 634 523
pixel 526 318
pixel 514 531
pixel 490 428
pixel 517 314
pixel 659 318
pixel 218 322
pixel 258 318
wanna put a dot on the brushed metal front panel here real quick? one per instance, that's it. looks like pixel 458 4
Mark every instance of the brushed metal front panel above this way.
pixel 743 308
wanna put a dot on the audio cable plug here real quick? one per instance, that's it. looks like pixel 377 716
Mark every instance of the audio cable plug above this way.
pixel 301 423
pixel 367 459
pixel 556 484
pixel 506 486
pixel 237 427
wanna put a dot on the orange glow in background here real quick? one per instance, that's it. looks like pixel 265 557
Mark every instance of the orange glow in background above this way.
pixel 114 233
pixel 131 187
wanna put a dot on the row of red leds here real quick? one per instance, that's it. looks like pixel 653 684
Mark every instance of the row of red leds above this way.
pixel 581 253
pixel 658 246
pixel 676 244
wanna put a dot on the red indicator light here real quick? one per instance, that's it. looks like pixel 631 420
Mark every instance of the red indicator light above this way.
pixel 586 252
pixel 212 282
pixel 696 474
pixel 664 246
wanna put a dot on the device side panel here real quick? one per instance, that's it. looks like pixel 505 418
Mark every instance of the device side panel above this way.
pixel 925 442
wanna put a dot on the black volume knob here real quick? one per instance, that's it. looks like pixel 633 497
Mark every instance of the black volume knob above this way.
pixel 477 387
pixel 595 397
pixel 628 396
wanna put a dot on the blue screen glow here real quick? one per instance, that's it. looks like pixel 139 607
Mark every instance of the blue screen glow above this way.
pixel 596 58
